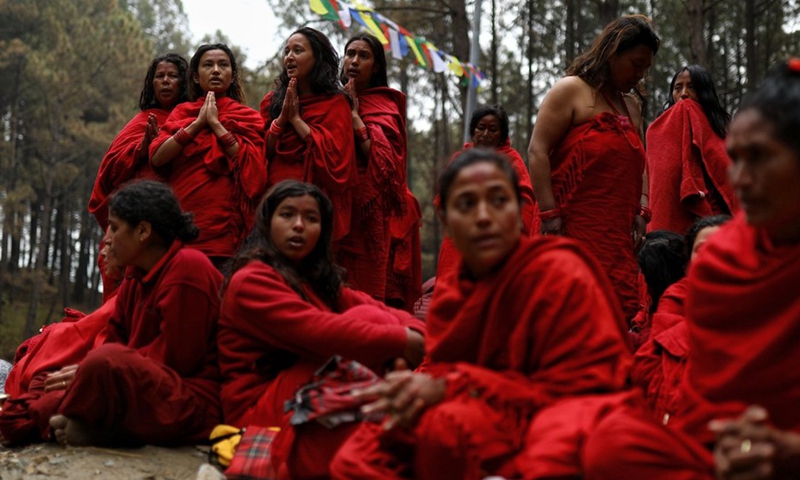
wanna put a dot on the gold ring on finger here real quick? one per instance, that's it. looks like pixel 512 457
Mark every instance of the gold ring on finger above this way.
pixel 746 446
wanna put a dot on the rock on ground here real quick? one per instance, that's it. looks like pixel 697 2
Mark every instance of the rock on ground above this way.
pixel 50 461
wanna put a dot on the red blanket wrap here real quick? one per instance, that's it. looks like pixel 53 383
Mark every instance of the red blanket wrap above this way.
pixel 449 257
pixel 121 163
pixel 326 158
pixel 380 191
pixel 566 338
pixel 688 169
pixel 597 173
pixel 222 192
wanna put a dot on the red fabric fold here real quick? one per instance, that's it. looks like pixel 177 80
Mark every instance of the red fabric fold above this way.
pixel 326 158
pixel 222 192
pixel 688 169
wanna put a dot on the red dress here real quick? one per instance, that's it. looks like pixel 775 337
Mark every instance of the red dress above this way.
pixel 272 340
pixel 687 167
pixel 326 158
pixel 566 338
pixel 596 175
pixel 221 192
pixel 380 193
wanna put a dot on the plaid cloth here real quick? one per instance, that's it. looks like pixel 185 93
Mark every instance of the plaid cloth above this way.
pixel 253 457
pixel 327 399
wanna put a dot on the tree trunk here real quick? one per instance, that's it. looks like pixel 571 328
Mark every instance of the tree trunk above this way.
pixel 493 56
pixel 84 247
pixel 695 14
pixel 461 27
pixel 607 10
pixel 751 60
pixel 569 40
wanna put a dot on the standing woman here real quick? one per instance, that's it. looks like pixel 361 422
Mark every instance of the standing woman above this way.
pixel 382 257
pixel 155 380
pixel 285 311
pixel 686 159
pixel 309 135
pixel 586 152
pixel 212 153
pixel 128 157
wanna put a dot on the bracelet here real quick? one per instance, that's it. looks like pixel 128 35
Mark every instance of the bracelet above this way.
pixel 228 140
pixel 275 129
pixel 362 134
pixel 547 215
pixel 645 213
pixel 182 137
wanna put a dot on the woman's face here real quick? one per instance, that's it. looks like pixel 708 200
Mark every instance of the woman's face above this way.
pixel 298 57
pixel 214 72
pixel 765 174
pixel 487 132
pixel 628 68
pixel 359 63
pixel 683 89
pixel 701 238
pixel 482 216
pixel 296 226
pixel 125 245
pixel 167 84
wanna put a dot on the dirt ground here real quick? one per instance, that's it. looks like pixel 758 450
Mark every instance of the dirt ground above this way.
pixel 50 461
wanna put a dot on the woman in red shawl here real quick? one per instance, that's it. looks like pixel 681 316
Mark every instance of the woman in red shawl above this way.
pixel 743 317
pixel 687 165
pixel 128 157
pixel 308 119
pixel 212 154
pixel 382 256
pixel 285 312
pixel 488 128
pixel 522 324
pixel 586 155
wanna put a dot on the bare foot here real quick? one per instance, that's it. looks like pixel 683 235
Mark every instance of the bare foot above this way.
pixel 69 431
pixel 59 424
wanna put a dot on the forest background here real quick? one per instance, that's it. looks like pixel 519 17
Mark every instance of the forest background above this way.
pixel 71 73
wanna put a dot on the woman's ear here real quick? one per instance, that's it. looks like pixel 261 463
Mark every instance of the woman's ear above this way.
pixel 144 230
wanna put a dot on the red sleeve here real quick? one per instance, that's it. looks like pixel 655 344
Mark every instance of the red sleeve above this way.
pixel 330 147
pixel 262 306
pixel 249 165
pixel 350 298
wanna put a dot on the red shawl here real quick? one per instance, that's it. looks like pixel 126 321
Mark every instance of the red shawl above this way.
pixel 448 255
pixel 326 158
pixel 379 193
pixel 59 345
pixel 596 174
pixel 121 163
pixel 744 321
pixel 222 192
pixel 688 169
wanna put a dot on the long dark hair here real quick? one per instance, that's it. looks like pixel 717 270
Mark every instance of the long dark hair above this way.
pixel 147 99
pixel 324 76
pixel 378 79
pixel 154 202
pixel 471 157
pixel 662 260
pixel 623 34
pixel 317 269
pixel 496 110
pixel 235 91
pixel 777 99
pixel 707 97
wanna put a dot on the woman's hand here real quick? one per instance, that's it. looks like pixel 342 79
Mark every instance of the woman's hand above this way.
pixel 639 230
pixel 291 104
pixel 61 379
pixel 150 133
pixel 212 114
pixel 553 226
pixel 415 347
pixel 350 88
pixel 402 396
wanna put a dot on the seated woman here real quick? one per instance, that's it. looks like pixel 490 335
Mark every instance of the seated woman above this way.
pixel 33 384
pixel 285 311
pixel 743 314
pixel 155 379
pixel 522 324
pixel 686 159
pixel 382 257
pixel 659 364
pixel 488 128
pixel 212 154
pixel 308 118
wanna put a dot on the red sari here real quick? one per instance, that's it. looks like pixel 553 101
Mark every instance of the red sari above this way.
pixel 449 258
pixel 222 192
pixel 271 341
pixel 326 158
pixel 121 163
pixel 687 166
pixel 566 339
pixel 596 174
pixel 380 192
